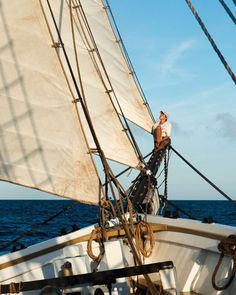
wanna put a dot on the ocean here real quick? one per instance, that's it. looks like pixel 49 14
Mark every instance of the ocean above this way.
pixel 19 216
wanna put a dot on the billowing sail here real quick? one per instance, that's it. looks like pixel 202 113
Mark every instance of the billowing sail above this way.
pixel 42 143
pixel 59 61
pixel 126 95
pixel 65 18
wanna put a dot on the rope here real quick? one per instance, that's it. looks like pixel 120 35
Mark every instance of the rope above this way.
pixel 163 170
pixel 96 236
pixel 166 174
pixel 126 56
pixel 227 67
pixel 226 247
pixel 143 237
pixel 131 213
pixel 169 155
pixel 205 178
pixel 81 99
pixel 95 50
pixel 75 51
pixel 151 191
pixel 107 169
pixel 129 235
pixel 125 170
pixel 158 289
pixel 107 211
pixel 177 207
pixel 13 288
pixel 230 14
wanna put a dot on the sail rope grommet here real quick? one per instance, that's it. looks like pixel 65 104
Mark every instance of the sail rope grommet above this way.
pixel 57 45
pixel 226 247
pixel 77 6
pixel 143 237
pixel 96 236
pixel 76 100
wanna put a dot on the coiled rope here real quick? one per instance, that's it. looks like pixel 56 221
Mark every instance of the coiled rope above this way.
pixel 96 235
pixel 226 247
pixel 143 238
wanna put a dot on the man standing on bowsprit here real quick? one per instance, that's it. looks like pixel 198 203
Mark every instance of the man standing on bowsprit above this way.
pixel 161 132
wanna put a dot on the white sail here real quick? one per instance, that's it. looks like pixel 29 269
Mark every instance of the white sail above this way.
pixel 109 130
pixel 42 144
pixel 121 77
pixel 45 139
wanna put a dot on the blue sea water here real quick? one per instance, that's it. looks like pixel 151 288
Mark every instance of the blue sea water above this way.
pixel 19 216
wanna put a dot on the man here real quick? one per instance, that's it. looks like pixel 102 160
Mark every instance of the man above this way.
pixel 161 132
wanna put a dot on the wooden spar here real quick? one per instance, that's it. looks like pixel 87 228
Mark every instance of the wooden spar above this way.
pixel 95 278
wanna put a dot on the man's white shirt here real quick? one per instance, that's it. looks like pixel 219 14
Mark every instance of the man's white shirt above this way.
pixel 165 128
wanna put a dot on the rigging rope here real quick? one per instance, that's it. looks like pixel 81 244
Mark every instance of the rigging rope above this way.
pixel 111 89
pixel 227 67
pixel 75 51
pixel 178 208
pixel 204 177
pixel 129 234
pixel 126 55
pixel 13 287
pixel 107 169
pixel 127 169
pixel 81 99
pixel 229 12
pixel 107 211
pixel 166 174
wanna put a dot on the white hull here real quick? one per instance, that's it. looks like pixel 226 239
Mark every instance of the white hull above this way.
pixel 191 245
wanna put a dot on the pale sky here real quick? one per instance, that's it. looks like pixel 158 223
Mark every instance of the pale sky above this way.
pixel 180 73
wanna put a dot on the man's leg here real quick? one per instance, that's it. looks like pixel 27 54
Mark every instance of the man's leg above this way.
pixel 158 136
pixel 164 143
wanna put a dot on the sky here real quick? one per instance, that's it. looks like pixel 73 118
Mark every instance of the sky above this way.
pixel 181 74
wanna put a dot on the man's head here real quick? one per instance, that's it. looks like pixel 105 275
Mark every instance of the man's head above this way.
pixel 163 116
